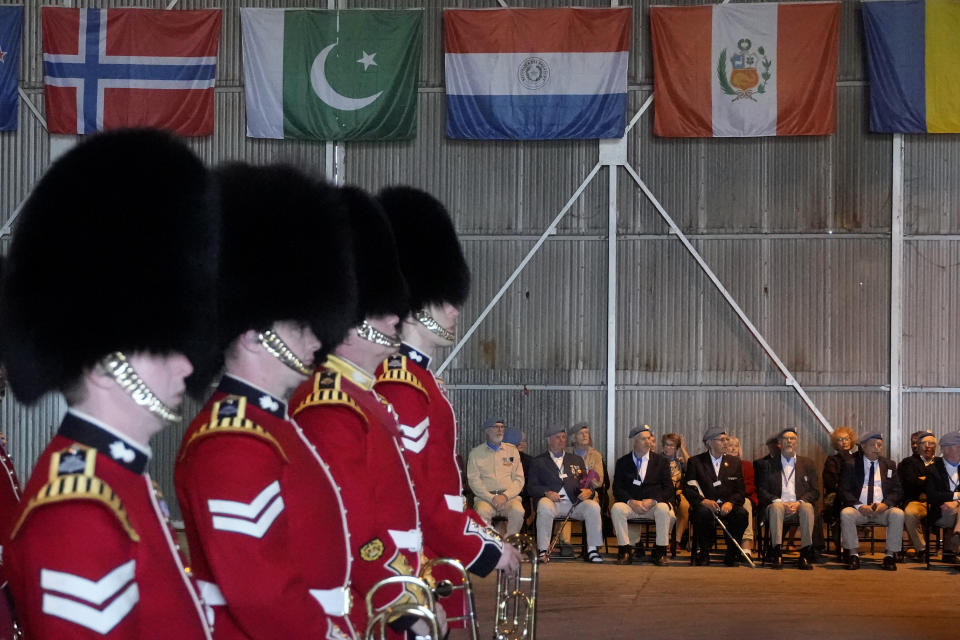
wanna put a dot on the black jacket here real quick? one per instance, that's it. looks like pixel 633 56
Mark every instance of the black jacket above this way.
pixel 938 486
pixel 913 477
pixel 805 481
pixel 544 475
pixel 851 481
pixel 656 484
pixel 730 486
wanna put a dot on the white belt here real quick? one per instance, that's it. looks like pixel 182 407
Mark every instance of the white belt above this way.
pixel 454 503
pixel 411 540
pixel 335 602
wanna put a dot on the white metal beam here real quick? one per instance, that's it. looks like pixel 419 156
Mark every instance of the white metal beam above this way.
pixel 611 313
pixel 896 300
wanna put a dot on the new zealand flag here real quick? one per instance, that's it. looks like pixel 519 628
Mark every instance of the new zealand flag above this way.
pixel 11 25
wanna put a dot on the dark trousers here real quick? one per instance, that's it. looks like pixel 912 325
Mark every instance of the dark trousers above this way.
pixel 704 526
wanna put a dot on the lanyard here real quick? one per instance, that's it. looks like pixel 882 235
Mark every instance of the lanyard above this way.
pixel 786 478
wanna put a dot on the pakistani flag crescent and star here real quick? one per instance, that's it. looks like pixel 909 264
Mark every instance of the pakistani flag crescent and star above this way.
pixel 331 75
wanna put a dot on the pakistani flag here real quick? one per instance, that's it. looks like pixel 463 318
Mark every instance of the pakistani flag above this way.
pixel 331 75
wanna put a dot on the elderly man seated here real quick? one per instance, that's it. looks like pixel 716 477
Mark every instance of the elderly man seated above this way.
pixel 495 476
pixel 557 483
pixel 643 489
pixel 913 477
pixel 788 492
pixel 943 492
pixel 870 489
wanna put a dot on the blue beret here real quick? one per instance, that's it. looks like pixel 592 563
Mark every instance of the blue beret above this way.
pixel 513 436
pixel 638 430
pixel 925 434
pixel 792 430
pixel 951 439
pixel 713 432
pixel 492 422
pixel 869 435
pixel 578 427
pixel 552 431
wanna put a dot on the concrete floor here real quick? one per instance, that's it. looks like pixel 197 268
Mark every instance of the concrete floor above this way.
pixel 607 601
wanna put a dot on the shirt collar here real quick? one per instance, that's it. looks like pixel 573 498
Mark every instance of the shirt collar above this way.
pixel 556 455
pixel 637 459
pixel 583 453
pixel 494 447
pixel 416 355
pixel 260 398
pixel 787 462
pixel 350 371
pixel 716 460
pixel 108 442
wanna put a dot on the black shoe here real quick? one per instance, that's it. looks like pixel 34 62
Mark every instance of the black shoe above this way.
pixel 731 559
pixel 638 550
pixel 673 548
pixel 703 558
pixel 853 562
pixel 775 557
pixel 889 563
pixel 921 555
pixel 807 558
pixel 624 555
pixel 659 556
pixel 948 557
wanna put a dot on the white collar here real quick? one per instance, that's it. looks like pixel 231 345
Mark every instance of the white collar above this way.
pixel 787 462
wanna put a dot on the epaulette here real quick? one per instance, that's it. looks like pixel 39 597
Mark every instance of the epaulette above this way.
pixel 395 370
pixel 73 477
pixel 326 391
pixel 229 416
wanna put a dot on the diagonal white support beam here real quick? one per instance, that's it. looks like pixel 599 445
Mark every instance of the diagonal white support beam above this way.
pixel 552 229
pixel 790 380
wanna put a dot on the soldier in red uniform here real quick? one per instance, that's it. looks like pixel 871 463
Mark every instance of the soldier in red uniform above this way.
pixel 438 279
pixel 263 516
pixel 355 430
pixel 101 300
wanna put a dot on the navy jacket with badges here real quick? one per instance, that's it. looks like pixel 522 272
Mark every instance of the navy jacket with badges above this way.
pixel 545 476
pixel 851 481
pixel 939 487
pixel 727 487
pixel 657 483
pixel 770 484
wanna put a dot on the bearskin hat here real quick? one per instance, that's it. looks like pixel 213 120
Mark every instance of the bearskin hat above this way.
pixel 114 250
pixel 380 285
pixel 430 254
pixel 286 253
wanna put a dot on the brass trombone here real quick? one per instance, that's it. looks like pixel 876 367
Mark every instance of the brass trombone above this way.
pixel 516 614
pixel 446 588
pixel 377 620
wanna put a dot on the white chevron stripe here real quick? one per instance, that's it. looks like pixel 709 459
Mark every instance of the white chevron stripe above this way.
pixel 415 446
pixel 243 509
pixel 416 431
pixel 86 616
pixel 88 590
pixel 256 528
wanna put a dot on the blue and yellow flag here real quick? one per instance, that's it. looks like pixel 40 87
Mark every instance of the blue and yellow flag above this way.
pixel 913 53
pixel 11 25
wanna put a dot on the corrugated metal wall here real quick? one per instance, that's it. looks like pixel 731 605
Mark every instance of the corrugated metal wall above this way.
pixel 798 229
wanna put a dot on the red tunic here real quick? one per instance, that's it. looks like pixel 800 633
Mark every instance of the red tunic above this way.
pixel 429 440
pixel 264 521
pixel 91 554
pixel 354 431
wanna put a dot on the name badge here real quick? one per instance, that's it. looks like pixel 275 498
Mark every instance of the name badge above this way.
pixel 637 482
pixel 889 473
pixel 507 461
pixel 717 483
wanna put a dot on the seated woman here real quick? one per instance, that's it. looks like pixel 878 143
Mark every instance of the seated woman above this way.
pixel 842 440
pixel 733 449
pixel 677 454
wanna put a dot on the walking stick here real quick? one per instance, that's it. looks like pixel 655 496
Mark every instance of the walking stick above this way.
pixel 746 556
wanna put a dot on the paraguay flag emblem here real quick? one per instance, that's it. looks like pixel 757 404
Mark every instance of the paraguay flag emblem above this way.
pixel 110 68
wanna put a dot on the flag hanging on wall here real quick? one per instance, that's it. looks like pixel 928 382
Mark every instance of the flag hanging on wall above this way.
pixel 331 75
pixel 913 53
pixel 737 70
pixel 531 74
pixel 11 25
pixel 109 68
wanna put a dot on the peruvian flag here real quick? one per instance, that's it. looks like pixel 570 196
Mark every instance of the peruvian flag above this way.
pixel 110 68
pixel 737 70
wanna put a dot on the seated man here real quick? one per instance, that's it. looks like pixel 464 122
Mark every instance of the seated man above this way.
pixel 643 490
pixel 943 492
pixel 787 493
pixel 913 477
pixel 870 490
pixel 714 488
pixel 555 483
pixel 495 476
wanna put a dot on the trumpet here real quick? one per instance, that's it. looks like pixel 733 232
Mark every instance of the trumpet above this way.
pixel 378 620
pixel 516 612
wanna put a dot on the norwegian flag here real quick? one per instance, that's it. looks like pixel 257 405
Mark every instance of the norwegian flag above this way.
pixel 110 68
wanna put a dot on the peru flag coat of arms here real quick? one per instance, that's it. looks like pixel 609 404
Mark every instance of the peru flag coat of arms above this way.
pixel 110 68
pixel 739 70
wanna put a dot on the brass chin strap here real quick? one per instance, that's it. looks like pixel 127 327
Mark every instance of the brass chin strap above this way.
pixel 374 335
pixel 276 347
pixel 122 372
pixel 433 326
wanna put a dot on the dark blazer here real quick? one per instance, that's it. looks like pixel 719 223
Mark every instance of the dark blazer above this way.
pixel 832 467
pixel 731 487
pixel 544 475
pixel 913 477
pixel 851 481
pixel 938 486
pixel 805 481
pixel 657 483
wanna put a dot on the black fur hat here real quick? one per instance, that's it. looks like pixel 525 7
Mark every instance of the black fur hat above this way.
pixel 381 287
pixel 114 250
pixel 430 253
pixel 286 253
